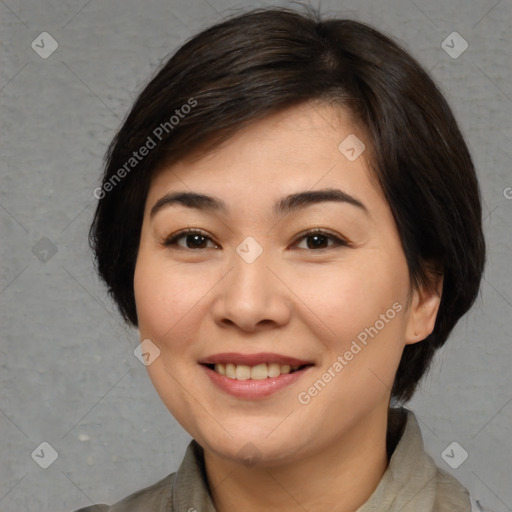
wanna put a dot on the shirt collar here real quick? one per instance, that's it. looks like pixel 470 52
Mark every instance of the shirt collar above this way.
pixel 409 483
pixel 190 488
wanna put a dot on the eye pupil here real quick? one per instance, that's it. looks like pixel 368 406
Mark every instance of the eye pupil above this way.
pixel 319 241
pixel 198 240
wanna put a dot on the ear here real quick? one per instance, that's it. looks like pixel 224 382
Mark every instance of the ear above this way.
pixel 423 311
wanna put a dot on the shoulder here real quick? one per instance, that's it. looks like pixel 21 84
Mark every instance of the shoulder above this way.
pixel 155 498
pixel 449 490
pixel 451 495
pixel 187 485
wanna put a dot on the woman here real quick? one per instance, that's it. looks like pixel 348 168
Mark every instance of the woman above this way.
pixel 291 218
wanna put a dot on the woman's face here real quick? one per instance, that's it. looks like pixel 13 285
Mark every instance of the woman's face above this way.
pixel 252 291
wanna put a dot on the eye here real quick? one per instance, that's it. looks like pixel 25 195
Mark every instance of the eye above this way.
pixel 315 239
pixel 194 239
pixel 318 239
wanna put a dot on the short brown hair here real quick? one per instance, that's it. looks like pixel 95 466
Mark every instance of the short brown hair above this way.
pixel 260 62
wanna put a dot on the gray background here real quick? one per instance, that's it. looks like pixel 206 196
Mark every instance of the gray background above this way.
pixel 68 374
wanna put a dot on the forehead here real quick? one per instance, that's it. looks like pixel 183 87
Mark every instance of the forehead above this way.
pixel 306 147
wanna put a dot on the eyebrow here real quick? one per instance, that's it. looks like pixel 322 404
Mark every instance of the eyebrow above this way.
pixel 284 206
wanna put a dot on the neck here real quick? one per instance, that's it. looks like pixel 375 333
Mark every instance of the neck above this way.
pixel 341 476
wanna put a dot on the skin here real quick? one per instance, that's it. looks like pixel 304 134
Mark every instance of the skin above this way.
pixel 294 299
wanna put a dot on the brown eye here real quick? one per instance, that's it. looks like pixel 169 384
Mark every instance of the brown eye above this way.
pixel 192 240
pixel 318 239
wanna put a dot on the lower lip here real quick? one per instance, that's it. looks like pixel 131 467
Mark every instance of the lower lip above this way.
pixel 253 389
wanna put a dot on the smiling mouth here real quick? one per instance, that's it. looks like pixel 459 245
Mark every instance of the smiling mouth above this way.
pixel 258 372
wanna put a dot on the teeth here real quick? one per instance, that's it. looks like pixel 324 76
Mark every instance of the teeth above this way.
pixel 230 370
pixel 274 370
pixel 258 372
pixel 243 372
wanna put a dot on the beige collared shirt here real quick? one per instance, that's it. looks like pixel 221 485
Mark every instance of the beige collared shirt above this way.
pixel 411 483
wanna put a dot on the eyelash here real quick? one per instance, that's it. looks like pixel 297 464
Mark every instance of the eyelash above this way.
pixel 338 242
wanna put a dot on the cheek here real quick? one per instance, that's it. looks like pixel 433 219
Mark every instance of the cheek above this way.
pixel 359 317
pixel 168 297
pixel 350 296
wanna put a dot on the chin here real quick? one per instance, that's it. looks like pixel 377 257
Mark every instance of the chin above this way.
pixel 263 446
pixel 255 452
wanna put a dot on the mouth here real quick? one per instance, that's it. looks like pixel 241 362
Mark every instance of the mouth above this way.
pixel 253 377
pixel 261 366
pixel 260 371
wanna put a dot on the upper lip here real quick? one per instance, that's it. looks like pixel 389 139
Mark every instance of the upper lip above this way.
pixel 252 359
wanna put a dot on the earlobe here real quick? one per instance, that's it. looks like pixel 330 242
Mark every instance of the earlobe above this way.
pixel 423 311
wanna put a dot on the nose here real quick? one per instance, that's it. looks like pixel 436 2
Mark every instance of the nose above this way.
pixel 252 296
